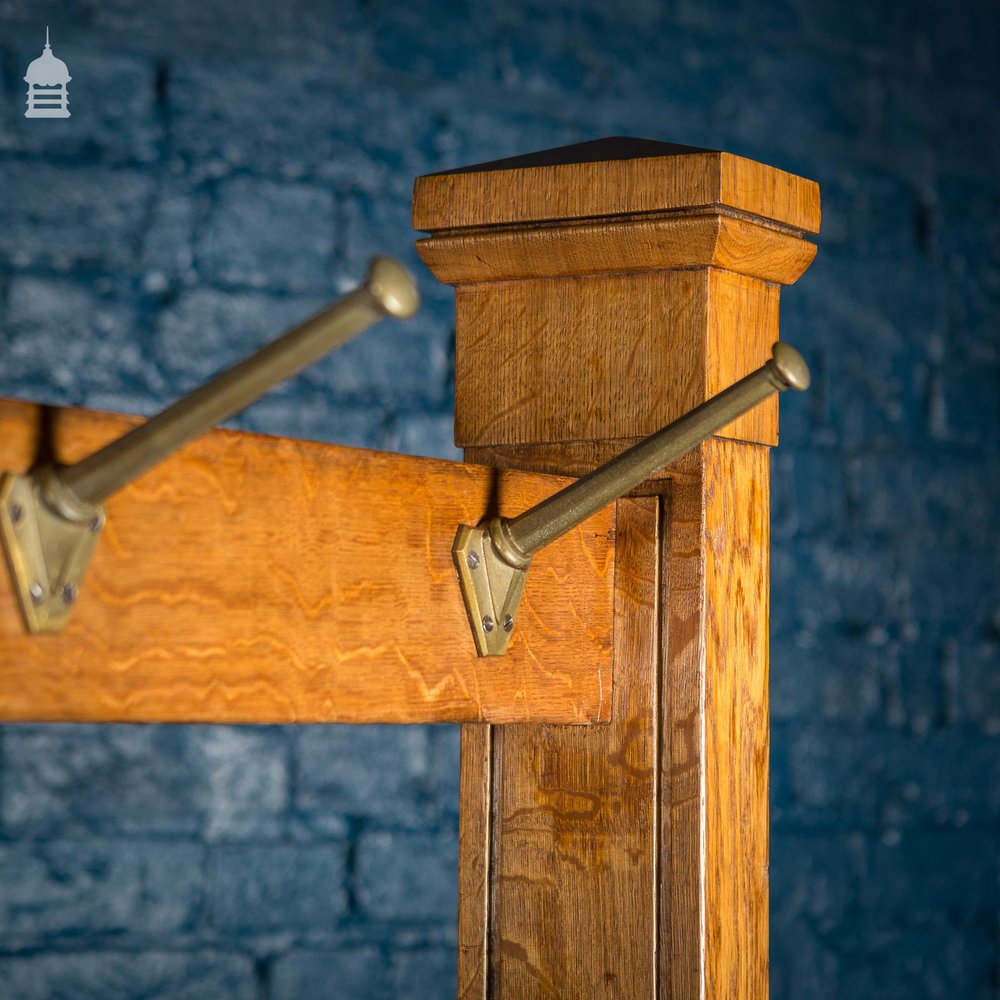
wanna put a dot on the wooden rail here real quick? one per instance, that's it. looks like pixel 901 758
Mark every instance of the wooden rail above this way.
pixel 259 579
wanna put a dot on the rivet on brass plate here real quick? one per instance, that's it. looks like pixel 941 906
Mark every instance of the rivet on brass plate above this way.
pixel 47 552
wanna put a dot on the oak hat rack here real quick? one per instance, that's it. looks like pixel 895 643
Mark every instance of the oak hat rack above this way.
pixel 614 842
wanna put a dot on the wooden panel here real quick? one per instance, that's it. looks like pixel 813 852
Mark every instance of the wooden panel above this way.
pixel 474 860
pixel 736 305
pixel 577 359
pixel 497 197
pixel 714 821
pixel 677 782
pixel 574 868
pixel 737 548
pixel 257 579
pixel 682 804
pixel 605 357
pixel 634 244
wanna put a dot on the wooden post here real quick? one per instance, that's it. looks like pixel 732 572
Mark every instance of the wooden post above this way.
pixel 603 290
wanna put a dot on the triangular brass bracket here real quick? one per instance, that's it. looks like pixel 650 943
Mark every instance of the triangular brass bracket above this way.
pixel 491 587
pixel 48 539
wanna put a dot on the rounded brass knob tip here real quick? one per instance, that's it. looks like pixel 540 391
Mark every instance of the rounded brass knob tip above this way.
pixel 393 287
pixel 791 366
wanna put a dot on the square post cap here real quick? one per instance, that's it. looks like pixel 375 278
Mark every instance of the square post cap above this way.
pixel 617 204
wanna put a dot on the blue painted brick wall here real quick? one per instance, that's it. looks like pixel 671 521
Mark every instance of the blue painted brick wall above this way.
pixel 229 167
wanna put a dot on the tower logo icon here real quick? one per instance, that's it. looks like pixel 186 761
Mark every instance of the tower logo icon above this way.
pixel 47 78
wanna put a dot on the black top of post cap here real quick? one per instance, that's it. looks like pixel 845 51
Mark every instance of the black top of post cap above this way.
pixel 615 147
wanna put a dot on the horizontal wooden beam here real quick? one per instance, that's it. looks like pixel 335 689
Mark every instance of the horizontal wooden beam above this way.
pixel 260 579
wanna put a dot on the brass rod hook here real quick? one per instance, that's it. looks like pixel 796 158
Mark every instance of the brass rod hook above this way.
pixel 493 559
pixel 50 518
pixel 388 290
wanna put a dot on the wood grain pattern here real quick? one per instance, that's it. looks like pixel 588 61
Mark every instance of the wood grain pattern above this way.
pixel 714 819
pixel 690 730
pixel 606 357
pixel 737 550
pixel 574 880
pixel 736 305
pixel 628 860
pixel 641 243
pixel 573 458
pixel 614 187
pixel 585 290
pixel 257 579
pixel 681 809
pixel 475 856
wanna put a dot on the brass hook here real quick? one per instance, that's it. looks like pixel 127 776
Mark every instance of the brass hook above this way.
pixel 50 519
pixel 493 558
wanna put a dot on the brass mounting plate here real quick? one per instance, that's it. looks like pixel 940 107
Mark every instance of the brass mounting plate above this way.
pixel 491 589
pixel 46 552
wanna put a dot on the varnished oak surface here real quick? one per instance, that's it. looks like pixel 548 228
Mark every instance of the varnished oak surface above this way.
pixel 614 187
pixel 258 579
pixel 634 244
pixel 574 882
pixel 630 860
pixel 475 858
pixel 602 291
pixel 737 571
pixel 571 840
pixel 607 356
pixel 714 752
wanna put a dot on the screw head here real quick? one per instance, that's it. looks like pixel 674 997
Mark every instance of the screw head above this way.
pixel 473 559
pixel 487 624
pixel 95 524
pixel 508 623
pixel 69 593
pixel 36 593
pixel 16 513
